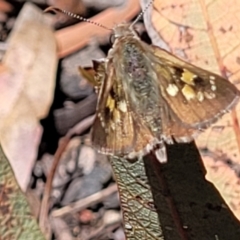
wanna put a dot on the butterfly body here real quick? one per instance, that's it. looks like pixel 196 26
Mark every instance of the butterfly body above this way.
pixel 148 96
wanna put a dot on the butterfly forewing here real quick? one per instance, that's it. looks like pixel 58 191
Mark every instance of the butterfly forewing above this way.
pixel 196 96
pixel 116 131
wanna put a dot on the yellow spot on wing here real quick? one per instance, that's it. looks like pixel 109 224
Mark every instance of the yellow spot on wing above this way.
pixel 188 77
pixel 116 115
pixel 110 103
pixel 188 92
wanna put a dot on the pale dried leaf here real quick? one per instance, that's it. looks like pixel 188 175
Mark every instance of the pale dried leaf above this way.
pixel 26 89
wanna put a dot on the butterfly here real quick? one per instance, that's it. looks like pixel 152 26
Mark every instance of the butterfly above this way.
pixel 148 97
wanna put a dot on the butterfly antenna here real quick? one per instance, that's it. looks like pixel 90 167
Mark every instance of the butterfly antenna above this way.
pixel 142 12
pixel 73 15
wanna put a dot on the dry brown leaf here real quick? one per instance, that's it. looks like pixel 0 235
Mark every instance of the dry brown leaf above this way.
pixel 75 6
pixel 206 33
pixel 27 81
pixel 75 37
pixel 5 6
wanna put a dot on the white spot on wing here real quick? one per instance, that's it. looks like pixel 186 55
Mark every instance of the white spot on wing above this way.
pixel 122 106
pixel 200 96
pixel 213 87
pixel 172 89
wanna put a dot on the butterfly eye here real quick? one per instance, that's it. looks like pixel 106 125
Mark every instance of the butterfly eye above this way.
pixel 112 38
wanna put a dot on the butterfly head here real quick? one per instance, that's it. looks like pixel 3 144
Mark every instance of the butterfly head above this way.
pixel 127 30
pixel 123 30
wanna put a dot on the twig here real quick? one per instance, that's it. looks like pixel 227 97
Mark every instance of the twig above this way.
pixel 86 202
pixel 43 216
